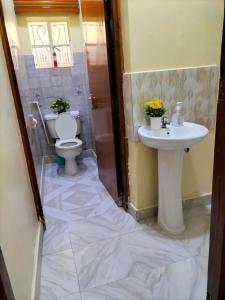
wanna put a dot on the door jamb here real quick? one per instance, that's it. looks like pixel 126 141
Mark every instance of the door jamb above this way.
pixel 115 61
pixel 20 117
pixel 216 269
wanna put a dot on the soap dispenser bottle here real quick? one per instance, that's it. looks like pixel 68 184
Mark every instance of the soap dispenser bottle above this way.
pixel 178 115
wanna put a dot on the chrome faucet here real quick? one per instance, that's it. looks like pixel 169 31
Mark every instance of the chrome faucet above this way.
pixel 165 122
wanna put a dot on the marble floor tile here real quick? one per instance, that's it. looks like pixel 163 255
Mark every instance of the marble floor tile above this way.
pixel 93 250
pixel 184 280
pixel 56 239
pixel 196 235
pixel 73 200
pixel 125 289
pixel 197 211
pixel 50 187
pixel 78 202
pixel 114 222
pixel 58 276
pixel 131 254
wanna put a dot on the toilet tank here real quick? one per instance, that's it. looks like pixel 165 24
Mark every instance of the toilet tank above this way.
pixel 50 122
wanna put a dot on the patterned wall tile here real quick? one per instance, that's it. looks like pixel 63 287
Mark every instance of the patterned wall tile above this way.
pixel 128 107
pixel 196 87
pixel 69 83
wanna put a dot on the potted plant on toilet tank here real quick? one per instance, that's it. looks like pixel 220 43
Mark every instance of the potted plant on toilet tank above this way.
pixel 60 105
pixel 155 109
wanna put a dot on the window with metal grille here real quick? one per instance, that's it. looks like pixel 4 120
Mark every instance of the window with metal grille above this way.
pixel 50 44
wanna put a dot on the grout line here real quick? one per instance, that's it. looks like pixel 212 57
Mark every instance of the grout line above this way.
pixel 74 261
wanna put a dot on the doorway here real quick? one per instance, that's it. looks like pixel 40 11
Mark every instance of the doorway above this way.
pixel 102 119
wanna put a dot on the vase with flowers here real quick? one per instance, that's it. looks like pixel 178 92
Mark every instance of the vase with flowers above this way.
pixel 155 109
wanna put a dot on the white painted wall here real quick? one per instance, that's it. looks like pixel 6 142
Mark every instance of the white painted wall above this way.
pixel 19 226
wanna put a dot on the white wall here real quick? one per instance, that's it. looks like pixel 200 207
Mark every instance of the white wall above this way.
pixel 18 221
pixel 164 34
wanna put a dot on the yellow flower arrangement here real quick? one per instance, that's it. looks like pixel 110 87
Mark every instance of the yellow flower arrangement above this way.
pixel 154 108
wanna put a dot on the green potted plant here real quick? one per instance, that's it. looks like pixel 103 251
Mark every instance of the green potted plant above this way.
pixel 60 105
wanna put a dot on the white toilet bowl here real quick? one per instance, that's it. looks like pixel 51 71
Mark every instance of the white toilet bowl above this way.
pixel 68 146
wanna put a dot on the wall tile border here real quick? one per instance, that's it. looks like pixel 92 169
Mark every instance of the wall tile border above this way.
pixel 197 87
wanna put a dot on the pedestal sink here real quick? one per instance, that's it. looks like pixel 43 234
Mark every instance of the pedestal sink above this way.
pixel 171 143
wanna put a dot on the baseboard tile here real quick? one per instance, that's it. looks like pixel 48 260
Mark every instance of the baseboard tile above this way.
pixel 35 289
pixel 140 214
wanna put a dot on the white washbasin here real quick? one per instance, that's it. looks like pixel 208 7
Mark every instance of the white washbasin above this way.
pixel 173 138
pixel 171 143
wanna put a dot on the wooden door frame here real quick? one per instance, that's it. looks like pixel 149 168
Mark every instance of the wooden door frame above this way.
pixel 20 117
pixel 216 269
pixel 115 62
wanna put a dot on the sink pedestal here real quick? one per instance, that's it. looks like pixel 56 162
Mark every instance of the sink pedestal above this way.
pixel 170 213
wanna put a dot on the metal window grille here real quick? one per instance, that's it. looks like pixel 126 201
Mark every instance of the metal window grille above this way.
pixel 50 44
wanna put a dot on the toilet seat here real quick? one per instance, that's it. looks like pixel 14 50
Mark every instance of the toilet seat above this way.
pixel 68 144
pixel 66 126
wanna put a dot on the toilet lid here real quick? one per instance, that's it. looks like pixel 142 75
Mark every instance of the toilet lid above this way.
pixel 65 126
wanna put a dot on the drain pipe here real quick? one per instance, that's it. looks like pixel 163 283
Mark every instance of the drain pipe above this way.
pixel 36 103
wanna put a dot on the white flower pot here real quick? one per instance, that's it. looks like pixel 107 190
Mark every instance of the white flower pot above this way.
pixel 156 123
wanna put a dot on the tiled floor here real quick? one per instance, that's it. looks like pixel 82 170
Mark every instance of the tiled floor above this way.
pixel 93 250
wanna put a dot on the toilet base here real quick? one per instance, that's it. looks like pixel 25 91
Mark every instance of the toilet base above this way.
pixel 71 167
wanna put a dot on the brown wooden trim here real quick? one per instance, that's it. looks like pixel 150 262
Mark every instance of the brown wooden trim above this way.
pixel 6 292
pixel 94 9
pixel 50 6
pixel 216 269
pixel 20 116
pixel 115 58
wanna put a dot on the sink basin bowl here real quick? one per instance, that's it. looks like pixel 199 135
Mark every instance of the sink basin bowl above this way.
pixel 171 143
pixel 173 138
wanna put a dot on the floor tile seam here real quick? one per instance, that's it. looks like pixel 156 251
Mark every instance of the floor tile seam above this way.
pixel 62 183
pixel 75 265
pixel 105 284
pixel 116 236
pixel 68 295
pixel 103 214
pixel 105 239
pixel 75 209
pixel 55 253
pixel 51 197
pixel 59 190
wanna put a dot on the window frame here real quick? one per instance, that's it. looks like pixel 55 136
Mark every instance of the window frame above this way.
pixel 48 21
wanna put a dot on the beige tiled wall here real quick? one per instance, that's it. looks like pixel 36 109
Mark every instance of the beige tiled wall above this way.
pixel 197 87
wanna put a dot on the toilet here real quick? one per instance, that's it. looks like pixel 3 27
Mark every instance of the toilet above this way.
pixel 68 146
